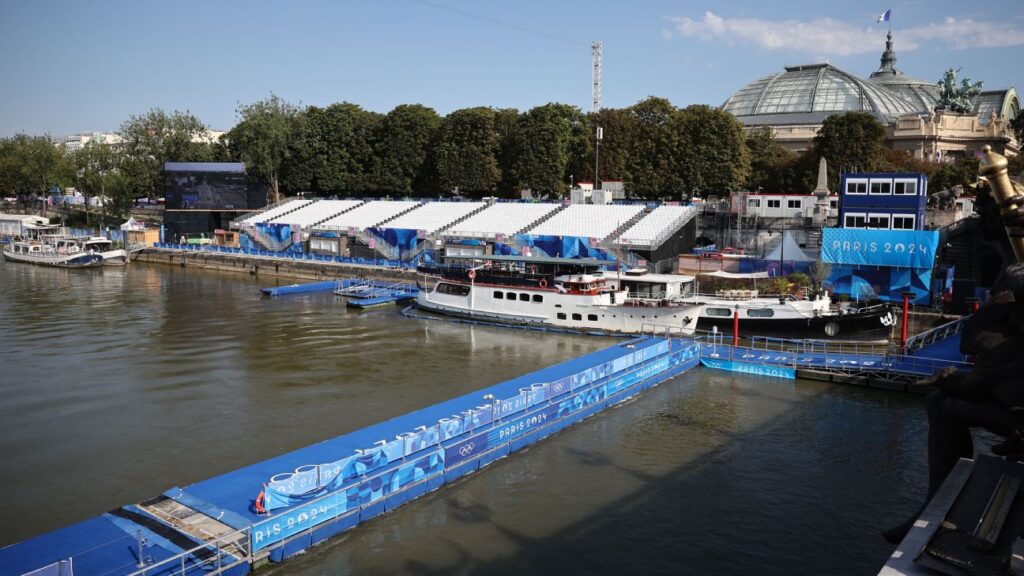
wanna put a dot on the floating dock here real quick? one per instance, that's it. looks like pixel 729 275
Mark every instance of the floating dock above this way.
pixel 277 508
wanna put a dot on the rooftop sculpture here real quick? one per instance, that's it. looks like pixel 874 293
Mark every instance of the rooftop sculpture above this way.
pixel 959 99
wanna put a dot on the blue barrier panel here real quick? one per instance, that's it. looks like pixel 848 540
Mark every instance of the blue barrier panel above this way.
pixel 749 368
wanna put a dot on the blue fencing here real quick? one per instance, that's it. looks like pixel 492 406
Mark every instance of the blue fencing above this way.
pixel 293 256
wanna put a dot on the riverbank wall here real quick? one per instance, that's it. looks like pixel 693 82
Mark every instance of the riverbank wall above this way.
pixel 272 266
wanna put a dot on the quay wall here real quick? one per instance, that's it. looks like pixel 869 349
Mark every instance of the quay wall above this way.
pixel 270 266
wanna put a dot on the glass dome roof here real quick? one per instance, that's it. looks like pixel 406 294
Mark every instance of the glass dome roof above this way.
pixel 818 89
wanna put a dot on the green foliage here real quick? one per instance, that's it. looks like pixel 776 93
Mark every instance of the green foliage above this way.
pixel 401 143
pixel 1017 125
pixel 466 155
pixel 97 173
pixel 31 165
pixel 655 150
pixel 157 137
pixel 713 156
pixel 337 151
pixel 850 142
pixel 768 161
pixel 541 144
pixel 619 126
pixel 261 138
pixel 963 172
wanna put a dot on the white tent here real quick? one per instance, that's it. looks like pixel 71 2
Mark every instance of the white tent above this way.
pixel 789 251
pixel 133 224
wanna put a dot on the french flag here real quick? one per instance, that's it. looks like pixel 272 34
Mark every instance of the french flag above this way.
pixel 885 16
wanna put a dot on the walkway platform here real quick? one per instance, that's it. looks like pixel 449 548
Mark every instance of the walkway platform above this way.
pixel 213 526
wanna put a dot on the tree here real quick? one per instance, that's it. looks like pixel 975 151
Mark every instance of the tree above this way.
pixel 31 165
pixel 963 172
pixel 261 138
pixel 337 148
pixel 712 153
pixel 466 152
pixel 97 173
pixel 401 142
pixel 1017 125
pixel 154 138
pixel 655 149
pixel 542 145
pixel 850 142
pixel 769 161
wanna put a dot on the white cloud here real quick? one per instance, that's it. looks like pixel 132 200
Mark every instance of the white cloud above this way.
pixel 666 34
pixel 835 37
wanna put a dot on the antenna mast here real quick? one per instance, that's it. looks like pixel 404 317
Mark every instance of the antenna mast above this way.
pixel 596 57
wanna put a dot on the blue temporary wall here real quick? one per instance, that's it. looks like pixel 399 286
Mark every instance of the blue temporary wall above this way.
pixel 888 284
pixel 896 248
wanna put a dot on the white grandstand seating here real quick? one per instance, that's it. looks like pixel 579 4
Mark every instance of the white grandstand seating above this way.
pixel 503 218
pixel 275 211
pixel 655 227
pixel 589 220
pixel 434 216
pixel 370 214
pixel 315 212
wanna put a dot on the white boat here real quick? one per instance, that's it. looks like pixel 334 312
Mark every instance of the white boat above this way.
pixel 550 292
pixel 47 254
pixel 105 248
pixel 790 317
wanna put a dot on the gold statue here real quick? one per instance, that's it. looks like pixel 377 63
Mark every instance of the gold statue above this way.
pixel 1009 197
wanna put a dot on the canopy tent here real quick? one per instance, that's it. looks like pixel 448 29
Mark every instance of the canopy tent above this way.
pixel 133 224
pixel 736 275
pixel 789 251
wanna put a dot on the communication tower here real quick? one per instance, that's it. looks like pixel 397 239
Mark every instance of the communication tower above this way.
pixel 595 54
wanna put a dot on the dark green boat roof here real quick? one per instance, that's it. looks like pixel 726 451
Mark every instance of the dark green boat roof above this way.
pixel 533 259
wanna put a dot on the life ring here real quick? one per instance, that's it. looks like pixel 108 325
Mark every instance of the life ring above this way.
pixel 73 249
pixel 472 274
pixel 543 283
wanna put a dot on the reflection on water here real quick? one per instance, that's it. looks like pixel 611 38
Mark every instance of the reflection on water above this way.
pixel 122 383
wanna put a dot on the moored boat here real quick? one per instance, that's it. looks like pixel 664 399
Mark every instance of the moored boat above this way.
pixel 564 293
pixel 47 254
pixel 790 317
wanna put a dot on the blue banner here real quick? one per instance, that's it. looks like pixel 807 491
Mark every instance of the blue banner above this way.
pixel 747 368
pixel 895 248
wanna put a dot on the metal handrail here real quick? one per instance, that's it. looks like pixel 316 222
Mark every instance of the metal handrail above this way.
pixel 179 559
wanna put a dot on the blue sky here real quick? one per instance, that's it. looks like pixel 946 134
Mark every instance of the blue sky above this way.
pixel 84 66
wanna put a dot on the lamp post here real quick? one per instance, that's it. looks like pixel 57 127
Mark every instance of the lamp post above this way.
pixel 597 154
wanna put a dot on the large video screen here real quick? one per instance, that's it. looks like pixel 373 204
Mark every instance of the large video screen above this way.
pixel 187 190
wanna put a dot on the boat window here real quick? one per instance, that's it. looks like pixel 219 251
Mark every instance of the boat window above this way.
pixel 718 312
pixel 592 317
pixel 561 315
pixel 499 295
pixel 577 317
pixel 510 295
pixel 524 297
pixel 760 313
pixel 453 289
pixel 538 298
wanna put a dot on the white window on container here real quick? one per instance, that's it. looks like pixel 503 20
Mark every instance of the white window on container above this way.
pixel 904 187
pixel 794 204
pixel 903 222
pixel 878 221
pixel 857 220
pixel 775 203
pixel 881 187
pixel 856 186
pixel 754 202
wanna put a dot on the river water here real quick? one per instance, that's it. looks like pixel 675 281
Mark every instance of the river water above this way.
pixel 118 384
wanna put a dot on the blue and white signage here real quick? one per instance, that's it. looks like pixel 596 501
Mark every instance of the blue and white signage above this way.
pixel 896 248
pixel 747 368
